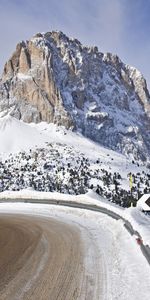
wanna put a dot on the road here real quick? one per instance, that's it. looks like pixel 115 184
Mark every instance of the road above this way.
pixel 144 248
pixel 43 258
pixel 51 252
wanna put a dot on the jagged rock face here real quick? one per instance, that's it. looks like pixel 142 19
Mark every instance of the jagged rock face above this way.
pixel 55 79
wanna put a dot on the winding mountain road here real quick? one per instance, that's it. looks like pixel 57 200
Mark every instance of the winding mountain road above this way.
pixel 56 252
pixel 42 258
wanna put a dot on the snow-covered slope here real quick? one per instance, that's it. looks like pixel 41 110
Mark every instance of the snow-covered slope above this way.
pixel 56 79
pixel 17 136
pixel 50 158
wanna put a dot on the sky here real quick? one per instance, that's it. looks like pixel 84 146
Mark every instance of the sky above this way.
pixel 118 26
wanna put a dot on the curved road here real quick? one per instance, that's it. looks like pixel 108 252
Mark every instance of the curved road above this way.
pixel 46 257
pixel 42 258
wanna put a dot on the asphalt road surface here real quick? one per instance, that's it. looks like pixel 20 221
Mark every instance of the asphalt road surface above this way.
pixel 42 258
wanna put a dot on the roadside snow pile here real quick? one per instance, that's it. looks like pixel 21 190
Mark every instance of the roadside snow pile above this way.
pixel 140 222
pixel 29 194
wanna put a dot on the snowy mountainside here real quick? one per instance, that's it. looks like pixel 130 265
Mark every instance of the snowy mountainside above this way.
pixel 51 158
pixel 56 79
pixel 16 136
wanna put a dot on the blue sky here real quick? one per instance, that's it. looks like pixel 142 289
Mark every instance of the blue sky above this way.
pixel 118 26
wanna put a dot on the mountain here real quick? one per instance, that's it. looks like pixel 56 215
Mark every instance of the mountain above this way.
pixel 56 79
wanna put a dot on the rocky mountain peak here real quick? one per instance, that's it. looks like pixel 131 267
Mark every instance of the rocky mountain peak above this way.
pixel 56 79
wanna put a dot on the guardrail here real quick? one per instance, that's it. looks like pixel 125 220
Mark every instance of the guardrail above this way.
pixel 144 248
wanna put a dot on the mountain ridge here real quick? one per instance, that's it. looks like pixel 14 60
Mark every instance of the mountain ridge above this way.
pixel 56 79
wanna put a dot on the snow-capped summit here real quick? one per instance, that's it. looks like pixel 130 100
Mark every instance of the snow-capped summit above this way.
pixel 56 79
